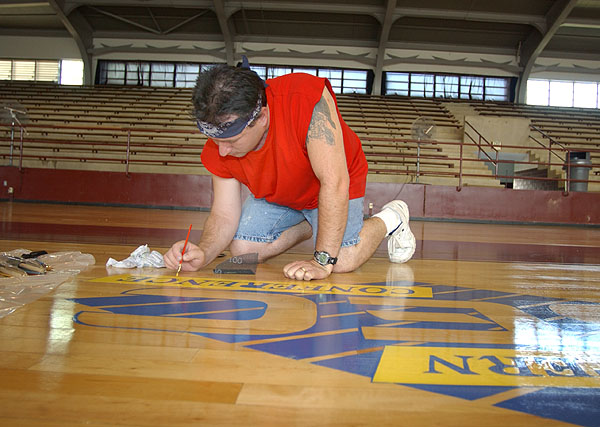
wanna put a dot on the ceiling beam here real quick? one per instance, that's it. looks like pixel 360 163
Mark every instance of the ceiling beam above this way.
pixel 202 4
pixel 323 7
pixel 447 63
pixel 380 13
pixel 536 42
pixel 219 8
pixel 24 3
pixel 158 30
pixel 581 23
pixel 185 21
pixel 156 24
pixel 230 7
pixel 125 20
pixel 28 32
pixel 381 49
pixel 81 32
pixel 219 54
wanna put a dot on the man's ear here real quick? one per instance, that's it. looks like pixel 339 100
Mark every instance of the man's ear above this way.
pixel 264 115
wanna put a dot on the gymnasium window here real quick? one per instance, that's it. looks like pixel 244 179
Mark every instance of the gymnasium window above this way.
pixel 336 79
pixel 165 74
pixel 63 71
pixel 447 86
pixel 71 72
pixel 560 93
pixel 354 81
pixel 139 73
pixel 186 74
pixel 342 80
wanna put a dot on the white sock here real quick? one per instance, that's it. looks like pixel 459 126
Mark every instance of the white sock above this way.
pixel 390 218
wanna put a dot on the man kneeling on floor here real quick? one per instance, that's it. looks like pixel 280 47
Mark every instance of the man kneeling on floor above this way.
pixel 286 141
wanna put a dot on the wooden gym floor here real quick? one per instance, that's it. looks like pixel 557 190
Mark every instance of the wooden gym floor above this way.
pixel 486 325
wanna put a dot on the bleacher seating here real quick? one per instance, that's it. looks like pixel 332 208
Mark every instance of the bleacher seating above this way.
pixel 563 129
pixel 567 126
pixel 85 127
pixel 150 129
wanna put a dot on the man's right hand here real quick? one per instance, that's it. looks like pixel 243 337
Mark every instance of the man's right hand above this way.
pixel 193 258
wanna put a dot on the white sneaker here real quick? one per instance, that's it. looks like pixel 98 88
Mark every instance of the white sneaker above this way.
pixel 402 243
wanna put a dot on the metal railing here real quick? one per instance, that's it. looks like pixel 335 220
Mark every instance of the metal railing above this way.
pixel 127 146
pixel 104 144
pixel 481 142
pixel 565 159
pixel 551 142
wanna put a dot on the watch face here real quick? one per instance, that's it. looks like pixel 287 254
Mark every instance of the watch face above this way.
pixel 324 258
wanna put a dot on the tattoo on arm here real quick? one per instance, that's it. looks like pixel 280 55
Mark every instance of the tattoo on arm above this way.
pixel 321 125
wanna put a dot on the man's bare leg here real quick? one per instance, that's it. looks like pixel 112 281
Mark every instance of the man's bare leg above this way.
pixel 371 236
pixel 349 258
pixel 288 239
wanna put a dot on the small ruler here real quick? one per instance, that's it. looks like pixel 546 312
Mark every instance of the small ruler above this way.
pixel 241 264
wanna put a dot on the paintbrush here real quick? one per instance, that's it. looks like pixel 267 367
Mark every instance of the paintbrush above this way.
pixel 183 251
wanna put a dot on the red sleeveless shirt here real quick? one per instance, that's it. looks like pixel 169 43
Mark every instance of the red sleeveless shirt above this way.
pixel 280 170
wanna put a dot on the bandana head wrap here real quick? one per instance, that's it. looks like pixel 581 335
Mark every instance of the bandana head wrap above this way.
pixel 234 127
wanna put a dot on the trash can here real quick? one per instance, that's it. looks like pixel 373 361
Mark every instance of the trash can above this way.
pixel 579 163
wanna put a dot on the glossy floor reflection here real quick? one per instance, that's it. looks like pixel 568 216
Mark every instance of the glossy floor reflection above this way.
pixel 486 325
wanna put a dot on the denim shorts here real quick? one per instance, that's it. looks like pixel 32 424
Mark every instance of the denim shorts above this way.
pixel 264 222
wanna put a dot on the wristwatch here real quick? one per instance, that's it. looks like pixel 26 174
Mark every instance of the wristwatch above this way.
pixel 324 258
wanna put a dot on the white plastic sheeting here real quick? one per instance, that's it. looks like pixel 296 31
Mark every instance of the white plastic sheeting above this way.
pixel 18 291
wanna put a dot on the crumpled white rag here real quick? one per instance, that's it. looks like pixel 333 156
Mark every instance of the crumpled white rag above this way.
pixel 141 257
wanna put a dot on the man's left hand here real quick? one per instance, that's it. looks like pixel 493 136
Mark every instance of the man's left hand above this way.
pixel 307 270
